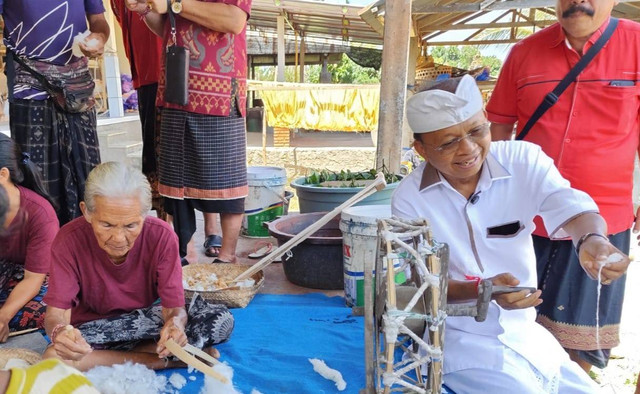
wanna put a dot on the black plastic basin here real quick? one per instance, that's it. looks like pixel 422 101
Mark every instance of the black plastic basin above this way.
pixel 317 261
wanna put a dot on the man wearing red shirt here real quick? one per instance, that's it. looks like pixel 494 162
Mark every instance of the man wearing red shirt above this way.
pixel 592 135
pixel 109 268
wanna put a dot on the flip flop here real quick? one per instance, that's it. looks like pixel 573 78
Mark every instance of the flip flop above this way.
pixel 262 249
pixel 212 242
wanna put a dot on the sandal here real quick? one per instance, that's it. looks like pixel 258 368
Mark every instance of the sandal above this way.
pixel 218 261
pixel 263 248
pixel 212 245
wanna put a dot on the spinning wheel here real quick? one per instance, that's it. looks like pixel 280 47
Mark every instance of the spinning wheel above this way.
pixel 401 313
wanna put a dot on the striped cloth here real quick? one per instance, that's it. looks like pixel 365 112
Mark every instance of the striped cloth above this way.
pixel 63 145
pixel 49 376
pixel 202 156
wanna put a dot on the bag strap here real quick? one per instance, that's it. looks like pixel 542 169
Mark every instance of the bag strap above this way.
pixel 172 20
pixel 551 98
pixel 41 78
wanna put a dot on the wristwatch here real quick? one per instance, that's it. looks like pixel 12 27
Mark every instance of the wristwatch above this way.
pixel 176 6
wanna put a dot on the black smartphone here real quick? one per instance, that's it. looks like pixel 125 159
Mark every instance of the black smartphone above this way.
pixel 511 289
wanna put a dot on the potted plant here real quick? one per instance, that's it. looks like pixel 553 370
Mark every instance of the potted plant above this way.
pixel 324 190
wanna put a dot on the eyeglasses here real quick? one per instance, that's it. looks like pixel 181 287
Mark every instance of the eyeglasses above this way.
pixel 474 134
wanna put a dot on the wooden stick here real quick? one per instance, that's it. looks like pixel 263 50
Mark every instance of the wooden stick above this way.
pixel 197 352
pixel 185 356
pixel 379 184
pixel 28 330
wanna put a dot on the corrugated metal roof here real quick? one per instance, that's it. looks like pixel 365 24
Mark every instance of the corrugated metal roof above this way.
pixel 315 20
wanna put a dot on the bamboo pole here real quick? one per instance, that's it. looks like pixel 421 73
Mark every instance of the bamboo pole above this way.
pixel 379 184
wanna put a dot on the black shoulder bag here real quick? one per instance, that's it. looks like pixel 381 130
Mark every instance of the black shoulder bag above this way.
pixel 551 98
pixel 176 68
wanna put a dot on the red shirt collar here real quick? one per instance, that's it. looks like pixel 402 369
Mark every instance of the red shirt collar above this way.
pixel 561 38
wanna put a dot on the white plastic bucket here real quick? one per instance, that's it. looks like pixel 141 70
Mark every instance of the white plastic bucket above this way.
pixel 266 199
pixel 359 243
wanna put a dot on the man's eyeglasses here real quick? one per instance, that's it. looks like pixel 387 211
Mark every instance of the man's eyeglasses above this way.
pixel 474 134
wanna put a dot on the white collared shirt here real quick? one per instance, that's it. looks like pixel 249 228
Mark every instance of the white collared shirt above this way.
pixel 491 236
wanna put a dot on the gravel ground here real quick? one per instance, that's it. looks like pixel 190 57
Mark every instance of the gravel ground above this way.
pixel 621 374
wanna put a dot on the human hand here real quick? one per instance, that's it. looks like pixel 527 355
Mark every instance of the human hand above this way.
pixel 173 329
pixel 636 225
pixel 597 251
pixel 92 45
pixel 159 6
pixel 70 344
pixel 518 300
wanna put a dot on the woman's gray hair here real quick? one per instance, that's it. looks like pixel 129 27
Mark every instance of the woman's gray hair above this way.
pixel 116 180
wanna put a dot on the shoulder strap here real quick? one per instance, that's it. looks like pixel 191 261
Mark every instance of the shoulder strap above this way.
pixel 38 76
pixel 551 98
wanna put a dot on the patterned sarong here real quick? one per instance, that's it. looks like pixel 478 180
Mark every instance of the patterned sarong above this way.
pixel 569 299
pixel 63 145
pixel 32 314
pixel 207 325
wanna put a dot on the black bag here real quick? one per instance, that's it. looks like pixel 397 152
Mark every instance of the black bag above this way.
pixel 176 70
pixel 70 86
pixel 177 75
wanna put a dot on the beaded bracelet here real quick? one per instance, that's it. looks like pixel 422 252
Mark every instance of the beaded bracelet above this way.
pixel 585 237
pixel 476 279
pixel 147 10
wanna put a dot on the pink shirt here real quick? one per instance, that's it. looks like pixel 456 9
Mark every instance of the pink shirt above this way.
pixel 29 236
pixel 85 280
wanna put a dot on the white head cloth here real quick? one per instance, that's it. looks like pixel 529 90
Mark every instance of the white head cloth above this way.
pixel 436 109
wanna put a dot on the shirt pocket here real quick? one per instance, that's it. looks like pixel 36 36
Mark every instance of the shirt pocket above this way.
pixel 505 230
pixel 619 104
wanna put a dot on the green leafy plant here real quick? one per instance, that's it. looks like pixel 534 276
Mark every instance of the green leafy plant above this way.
pixel 348 178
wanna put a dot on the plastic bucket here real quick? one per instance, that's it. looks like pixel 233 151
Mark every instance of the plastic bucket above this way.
pixel 265 201
pixel 359 243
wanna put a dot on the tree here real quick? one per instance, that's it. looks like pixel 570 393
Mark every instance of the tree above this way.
pixel 466 57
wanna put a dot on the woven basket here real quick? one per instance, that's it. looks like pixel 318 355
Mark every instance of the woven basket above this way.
pixel 29 356
pixel 233 297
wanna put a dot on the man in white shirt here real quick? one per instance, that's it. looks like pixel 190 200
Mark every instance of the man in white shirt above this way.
pixel 480 197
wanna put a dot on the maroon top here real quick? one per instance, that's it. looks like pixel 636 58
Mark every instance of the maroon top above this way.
pixel 84 279
pixel 29 236
pixel 142 46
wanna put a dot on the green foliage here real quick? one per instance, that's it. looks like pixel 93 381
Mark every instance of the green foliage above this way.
pixel 349 178
pixel 349 72
pixel 465 56
pixel 366 57
pixel 344 72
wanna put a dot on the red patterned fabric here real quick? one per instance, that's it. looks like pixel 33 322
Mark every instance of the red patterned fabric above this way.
pixel 215 60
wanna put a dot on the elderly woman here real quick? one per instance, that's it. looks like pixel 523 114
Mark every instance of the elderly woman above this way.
pixel 109 268
pixel 26 234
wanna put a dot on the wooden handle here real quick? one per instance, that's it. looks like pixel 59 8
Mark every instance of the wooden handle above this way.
pixel 379 184
pixel 183 355
pixel 28 330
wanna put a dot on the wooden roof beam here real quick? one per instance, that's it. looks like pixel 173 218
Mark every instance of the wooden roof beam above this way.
pixel 427 6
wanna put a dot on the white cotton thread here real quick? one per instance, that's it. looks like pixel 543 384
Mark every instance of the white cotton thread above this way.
pixel 613 258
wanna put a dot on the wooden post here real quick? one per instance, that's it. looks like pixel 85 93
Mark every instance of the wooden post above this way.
pixel 281 50
pixel 303 49
pixel 394 83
